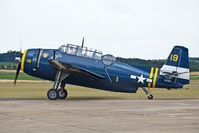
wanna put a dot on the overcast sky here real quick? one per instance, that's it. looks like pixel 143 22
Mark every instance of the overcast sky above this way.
pixel 145 29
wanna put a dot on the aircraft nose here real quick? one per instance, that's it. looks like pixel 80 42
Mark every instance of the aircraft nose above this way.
pixel 23 59
pixel 20 65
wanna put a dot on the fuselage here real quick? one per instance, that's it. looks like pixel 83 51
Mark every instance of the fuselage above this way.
pixel 119 77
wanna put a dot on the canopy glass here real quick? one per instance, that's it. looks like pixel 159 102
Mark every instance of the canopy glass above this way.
pixel 81 51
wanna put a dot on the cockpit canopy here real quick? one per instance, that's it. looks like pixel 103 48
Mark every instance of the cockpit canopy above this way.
pixel 81 51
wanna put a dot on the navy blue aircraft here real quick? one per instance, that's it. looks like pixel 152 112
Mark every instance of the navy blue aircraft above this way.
pixel 79 65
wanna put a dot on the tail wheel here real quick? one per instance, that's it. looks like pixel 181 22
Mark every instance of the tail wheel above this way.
pixel 150 97
pixel 62 93
pixel 52 94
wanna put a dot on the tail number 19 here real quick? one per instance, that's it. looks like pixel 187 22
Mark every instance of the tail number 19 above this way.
pixel 174 57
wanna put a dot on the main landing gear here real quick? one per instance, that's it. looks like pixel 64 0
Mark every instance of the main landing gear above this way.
pixel 148 92
pixel 53 94
pixel 60 93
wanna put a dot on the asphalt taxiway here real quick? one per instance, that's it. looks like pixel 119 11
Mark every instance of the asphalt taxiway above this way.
pixel 99 115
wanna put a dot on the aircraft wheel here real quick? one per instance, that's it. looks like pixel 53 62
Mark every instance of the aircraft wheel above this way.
pixel 62 93
pixel 150 97
pixel 52 94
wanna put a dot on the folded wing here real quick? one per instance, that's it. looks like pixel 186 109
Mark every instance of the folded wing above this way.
pixel 63 66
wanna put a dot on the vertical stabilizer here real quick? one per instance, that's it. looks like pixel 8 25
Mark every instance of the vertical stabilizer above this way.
pixel 177 66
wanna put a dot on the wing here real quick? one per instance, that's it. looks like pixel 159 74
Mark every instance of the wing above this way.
pixel 63 66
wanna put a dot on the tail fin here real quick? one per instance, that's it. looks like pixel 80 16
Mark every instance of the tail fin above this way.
pixel 177 66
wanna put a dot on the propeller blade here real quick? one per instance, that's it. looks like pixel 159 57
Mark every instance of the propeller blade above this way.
pixel 17 73
pixel 83 42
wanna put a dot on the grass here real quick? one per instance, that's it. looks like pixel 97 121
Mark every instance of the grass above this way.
pixel 10 75
pixel 194 78
pixel 8 71
pixel 76 92
pixel 8 63
pixel 20 77
pixel 194 73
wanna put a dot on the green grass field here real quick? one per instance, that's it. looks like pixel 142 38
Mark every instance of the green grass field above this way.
pixel 194 78
pixel 76 92
pixel 8 63
pixel 20 77
pixel 7 71
pixel 10 75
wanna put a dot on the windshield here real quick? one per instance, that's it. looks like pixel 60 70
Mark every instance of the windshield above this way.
pixel 81 51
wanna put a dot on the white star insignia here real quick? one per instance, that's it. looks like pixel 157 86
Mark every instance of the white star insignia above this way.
pixel 141 79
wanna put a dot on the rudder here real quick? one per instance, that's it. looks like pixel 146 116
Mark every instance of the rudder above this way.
pixel 177 65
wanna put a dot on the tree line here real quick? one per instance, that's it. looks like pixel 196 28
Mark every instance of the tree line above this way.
pixel 7 61
pixel 193 62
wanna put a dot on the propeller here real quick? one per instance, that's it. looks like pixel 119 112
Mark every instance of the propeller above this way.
pixel 83 42
pixel 17 72
pixel 18 68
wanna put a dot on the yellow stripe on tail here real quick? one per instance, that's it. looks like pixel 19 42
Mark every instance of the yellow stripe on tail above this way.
pixel 151 76
pixel 155 77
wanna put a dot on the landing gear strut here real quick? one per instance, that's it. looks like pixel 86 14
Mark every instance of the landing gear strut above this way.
pixel 148 92
pixel 61 93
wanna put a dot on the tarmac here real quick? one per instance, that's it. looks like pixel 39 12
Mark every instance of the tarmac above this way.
pixel 99 115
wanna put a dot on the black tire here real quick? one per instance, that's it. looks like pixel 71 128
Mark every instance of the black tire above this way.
pixel 62 93
pixel 52 94
pixel 150 97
